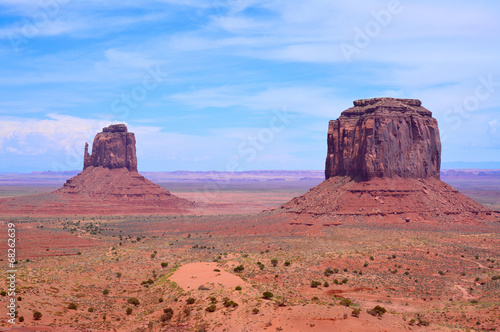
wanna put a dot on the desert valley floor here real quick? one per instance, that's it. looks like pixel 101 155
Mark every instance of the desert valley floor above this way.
pixel 226 266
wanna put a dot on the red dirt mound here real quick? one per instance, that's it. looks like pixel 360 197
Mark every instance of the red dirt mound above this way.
pixel 407 199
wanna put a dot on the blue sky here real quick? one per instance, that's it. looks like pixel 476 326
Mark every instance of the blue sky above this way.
pixel 238 84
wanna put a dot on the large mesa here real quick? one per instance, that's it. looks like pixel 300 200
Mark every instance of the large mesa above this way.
pixel 384 137
pixel 383 162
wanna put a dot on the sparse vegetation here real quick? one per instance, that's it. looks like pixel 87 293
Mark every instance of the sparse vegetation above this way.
pixel 37 315
pixel 239 268
pixel 267 295
pixel 328 272
pixel 377 311
pixel 315 284
pixel 346 302
pixel 211 308
pixel 133 300
pixel 168 313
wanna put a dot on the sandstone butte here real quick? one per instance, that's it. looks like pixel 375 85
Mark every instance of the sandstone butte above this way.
pixel 383 162
pixel 109 184
pixel 110 173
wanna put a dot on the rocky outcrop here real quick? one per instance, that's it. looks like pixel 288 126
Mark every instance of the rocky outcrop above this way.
pixel 384 137
pixel 114 147
pixel 110 177
pixel 383 163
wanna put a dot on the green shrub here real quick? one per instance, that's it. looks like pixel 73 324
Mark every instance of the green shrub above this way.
pixel 274 262
pixel 345 280
pixel 377 311
pixel 105 291
pixel 335 281
pixel 168 313
pixel 37 315
pixel 267 295
pixel 315 284
pixel 355 313
pixel 129 311
pixel 287 263
pixel 90 309
pixel 164 264
pixel 133 300
pixel 21 319
pixel 239 268
pixel 371 258
pixel 191 300
pixel 366 264
pixel 72 306
pixel 346 302
pixel 230 303
pixel 328 272
pixel 216 270
pixel 255 311
pixel 237 288
pixel 326 284
pixel 211 308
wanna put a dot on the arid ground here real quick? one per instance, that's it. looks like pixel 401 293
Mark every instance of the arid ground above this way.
pixel 226 267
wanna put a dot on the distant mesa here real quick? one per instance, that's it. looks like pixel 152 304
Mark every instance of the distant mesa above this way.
pixel 383 160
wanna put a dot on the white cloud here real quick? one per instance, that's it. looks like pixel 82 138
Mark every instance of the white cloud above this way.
pixel 317 101
pixel 56 134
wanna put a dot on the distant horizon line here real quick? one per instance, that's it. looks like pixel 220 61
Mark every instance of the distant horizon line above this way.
pixel 456 164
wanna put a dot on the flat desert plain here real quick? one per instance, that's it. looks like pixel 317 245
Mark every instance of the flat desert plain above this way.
pixel 227 266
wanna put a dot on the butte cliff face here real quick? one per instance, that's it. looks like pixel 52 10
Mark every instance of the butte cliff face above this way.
pixel 384 137
pixel 113 148
pixel 383 161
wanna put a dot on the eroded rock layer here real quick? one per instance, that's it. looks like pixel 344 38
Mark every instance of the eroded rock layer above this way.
pixel 383 161
pixel 404 199
pixel 114 147
pixel 384 137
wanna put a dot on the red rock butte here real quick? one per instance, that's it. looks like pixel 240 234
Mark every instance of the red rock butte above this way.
pixel 383 162
pixel 384 137
pixel 108 184
pixel 111 173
